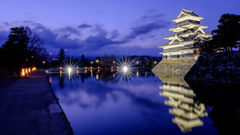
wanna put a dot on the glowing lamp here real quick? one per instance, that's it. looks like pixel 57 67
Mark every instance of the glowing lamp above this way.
pixel 23 73
pixel 125 69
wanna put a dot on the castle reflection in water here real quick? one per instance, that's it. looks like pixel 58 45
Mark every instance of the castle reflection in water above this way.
pixel 187 111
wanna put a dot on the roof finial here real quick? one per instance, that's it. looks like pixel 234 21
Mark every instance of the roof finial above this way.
pixel 182 8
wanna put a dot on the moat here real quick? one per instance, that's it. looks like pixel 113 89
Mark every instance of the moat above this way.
pixel 106 102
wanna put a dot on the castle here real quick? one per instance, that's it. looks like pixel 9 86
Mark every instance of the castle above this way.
pixel 188 32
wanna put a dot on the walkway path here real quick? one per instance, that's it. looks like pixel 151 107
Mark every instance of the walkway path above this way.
pixel 29 106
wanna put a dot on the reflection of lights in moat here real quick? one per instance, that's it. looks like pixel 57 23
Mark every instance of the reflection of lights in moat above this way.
pixel 91 73
pixel 77 72
pixel 69 70
pixel 97 77
pixel 60 73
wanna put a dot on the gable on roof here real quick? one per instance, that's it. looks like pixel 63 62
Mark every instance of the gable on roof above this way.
pixel 199 29
pixel 179 29
pixel 176 38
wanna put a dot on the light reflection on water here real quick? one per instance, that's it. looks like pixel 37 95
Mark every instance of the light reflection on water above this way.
pixel 99 102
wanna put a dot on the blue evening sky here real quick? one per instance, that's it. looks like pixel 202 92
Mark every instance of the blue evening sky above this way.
pixel 98 27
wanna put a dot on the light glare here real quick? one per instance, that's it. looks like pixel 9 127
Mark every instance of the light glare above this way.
pixel 125 69
pixel 69 69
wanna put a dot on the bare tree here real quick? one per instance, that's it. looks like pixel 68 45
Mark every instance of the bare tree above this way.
pixel 37 51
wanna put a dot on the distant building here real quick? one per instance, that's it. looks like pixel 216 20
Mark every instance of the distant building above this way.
pixel 187 33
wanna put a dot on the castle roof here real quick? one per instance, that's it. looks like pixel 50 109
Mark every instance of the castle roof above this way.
pixel 187 14
pixel 187 25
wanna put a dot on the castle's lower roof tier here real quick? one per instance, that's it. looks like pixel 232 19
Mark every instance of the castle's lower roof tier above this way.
pixel 178 44
pixel 178 51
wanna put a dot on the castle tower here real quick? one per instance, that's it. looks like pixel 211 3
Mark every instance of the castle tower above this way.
pixel 187 33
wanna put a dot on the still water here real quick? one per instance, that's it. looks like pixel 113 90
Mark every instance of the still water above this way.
pixel 108 103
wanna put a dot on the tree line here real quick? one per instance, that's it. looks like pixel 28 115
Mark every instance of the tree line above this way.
pixel 24 48
pixel 225 37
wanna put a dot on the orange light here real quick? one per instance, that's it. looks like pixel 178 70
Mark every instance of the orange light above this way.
pixel 26 70
pixel 90 67
pixel 77 67
pixel 117 67
pixel 111 67
pixel 85 71
pixel 60 67
pixel 85 67
pixel 50 53
pixel 98 67
pixel 29 69
pixel 23 72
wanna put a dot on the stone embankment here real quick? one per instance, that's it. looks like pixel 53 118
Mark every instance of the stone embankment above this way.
pixel 216 67
pixel 174 68
pixel 29 106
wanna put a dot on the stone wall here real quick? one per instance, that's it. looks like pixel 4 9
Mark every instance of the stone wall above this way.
pixel 174 68
pixel 217 67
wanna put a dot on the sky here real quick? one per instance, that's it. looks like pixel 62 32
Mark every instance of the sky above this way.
pixel 98 27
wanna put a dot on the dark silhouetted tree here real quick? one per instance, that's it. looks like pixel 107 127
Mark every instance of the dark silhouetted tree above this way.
pixel 16 49
pixel 227 35
pixel 207 46
pixel 61 54
pixel 82 58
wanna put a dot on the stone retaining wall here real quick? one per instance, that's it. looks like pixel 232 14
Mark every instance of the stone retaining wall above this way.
pixel 175 67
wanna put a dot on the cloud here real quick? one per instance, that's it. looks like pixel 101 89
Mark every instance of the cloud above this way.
pixel 144 29
pixel 96 40
pixel 147 24
pixel 69 30
pixel 114 34
pixel 6 23
pixel 83 26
